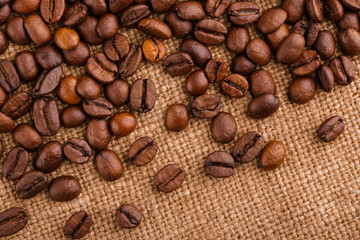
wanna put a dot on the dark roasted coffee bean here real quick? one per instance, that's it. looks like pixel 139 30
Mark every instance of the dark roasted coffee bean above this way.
pixel 295 9
pixel 199 53
pixel 118 92
pixel 122 124
pixel 261 82
pixel 6 124
pixel 263 106
pixel 66 38
pixel 216 8
pixel 128 216
pixel 74 14
pixel 5 13
pixel 109 165
pixel 14 166
pixel 325 45
pixel 101 68
pixel 216 70
pixel 177 117
pixel 9 79
pixel 235 85
pixel 133 14
pixel 142 151
pixel 315 10
pixel 17 105
pixel 223 128
pixel 16 31
pixel 248 147
pixel 178 64
pixel 243 13
pixel 78 225
pixel 161 6
pixel 210 32
pixel 52 10
pixel 169 178
pixel 275 38
pixel 117 6
pixel 243 65
pixel 206 106
pixel 49 157
pixel 88 88
pixel 131 63
pixel 291 48
pixel 155 28
pixel 154 50
pixel 46 116
pixel 107 26
pixel 99 107
pixel 196 83
pixel 302 90
pixel 271 20
pixel 64 188
pixel 237 39
pixel 333 10
pixel 47 81
pixel 343 69
pixel 48 56
pixel 350 20
pixel 3 97
pixel 331 129
pixel 190 10
pixel 4 42
pixel 352 5
pixel 77 150
pixel 87 31
pixel 308 30
pixel 349 40
pixel 97 133
pixel 66 90
pixel 220 165
pixel 258 51
pixel 143 95
pixel 12 221
pixel 37 29
pixel 325 77
pixel 307 64
pixel 31 184
pixel 26 136
pixel 180 28
pixel 27 66
pixel 72 116
pixel 117 48
pixel 96 7
pixel 78 55
pixel 272 156
pixel 25 7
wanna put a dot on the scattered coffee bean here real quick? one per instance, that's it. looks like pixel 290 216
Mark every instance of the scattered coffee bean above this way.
pixel 72 117
pixel 220 165
pixel 237 39
pixel 271 20
pixel 49 157
pixel 161 6
pixel 349 20
pixel 4 42
pixel 190 10
pixel 196 83
pixel 77 150
pixel 88 88
pixel 258 51
pixel 128 216
pixel 307 64
pixel 17 105
pixel 248 147
pixel 117 48
pixel 272 156
pixel 132 15
pixel 351 5
pixel 66 38
pixel 143 95
pixel 52 10
pixel 118 92
pixel 334 11
pixel 37 29
pixel 5 13
pixel 325 77
pixel 295 9
pixel 215 70
pixel 169 178
pixel 155 28
pixel 331 129
pixel 131 63
pixel 108 25
pixel 223 128
pixel 25 7
pixel 291 48
pixel 12 221
pixel 263 106
pixel 180 28
pixel 99 107
pixel 48 56
pixel 87 31
pixel 243 13
pixel 261 82
pixel 75 14
pixel 47 81
pixel 64 188
pixel 46 116
pixel 109 165
pixel 6 124
pixel 210 32
pixel 97 133
pixel 302 90
pixel 101 68
pixel 275 38
pixel 9 79
pixel 199 53
pixel 235 85
pixel 308 29
pixel 216 8
pixel 153 50
pixel 325 45
pixel 14 166
pixel 31 184
pixel 26 136
pixel 142 151
pixel 343 69
pixel 66 90
pixel 349 40
pixel 315 10
pixel 96 7
pixel 78 225
pixel 178 64
pixel 78 55
pixel 206 106
pixel 177 117
pixel 27 66
pixel 243 65
pixel 122 124
pixel 16 31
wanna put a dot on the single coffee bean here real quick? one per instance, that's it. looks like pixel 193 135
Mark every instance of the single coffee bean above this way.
pixel 302 90
pixel 177 117
pixel 210 32
pixel 295 9
pixel 325 77
pixel 27 66
pixel 216 70
pixel 5 13
pixel 9 79
pixel 349 20
pixel 235 85
pixel 97 133
pixel 248 147
pixel 206 106
pixel 271 20
pixel 78 55
pixel 190 10
pixel 263 106
pixel 64 188
pixel 308 29
pixel 333 10
pixel 17 105
pixel 291 48
pixel 315 10
pixel 118 92
pixel 96 7
pixel 16 31
pixel 49 157
pixel 143 95
pixel 14 166
pixel 349 40
pixel 180 28
pixel 331 129
pixel 88 88
pixel 261 82
pixel 72 117
pixel 325 45
pixel 108 25
pixel 12 221
pixel 307 64
pixel 223 128
pixel 219 165
pixel 142 151
pixel 3 97
pixel 199 53
pixel 243 65
pixel 155 28
pixel 153 50
pixel 52 10
pixel 74 14
pixel 4 42
pixel 78 225
pixel 26 136
pixel 31 184
pixel 117 6
pixel 87 31
pixel 275 38
pixel 117 47
pixel 109 165
pixel 237 39
pixel 178 64
pixel 196 83
pixel 46 116
pixel 161 6
pixel 128 216
pixel 243 13
pixel 77 150
pixel 133 14
pixel 37 29
pixel 47 81
pixel 343 69
pixel 66 38
pixel 258 51
pixel 48 56
pixel 66 90
pixel 131 63
pixel 25 7
pixel 122 124
pixel 101 68
pixel 99 107
pixel 6 124
pixel 272 156
pixel 216 8
pixel 351 5
pixel 169 178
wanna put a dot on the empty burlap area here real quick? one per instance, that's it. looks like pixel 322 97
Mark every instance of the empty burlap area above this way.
pixel 313 195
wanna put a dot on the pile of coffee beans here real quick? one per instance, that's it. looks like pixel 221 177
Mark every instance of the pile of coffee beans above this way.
pixel 93 98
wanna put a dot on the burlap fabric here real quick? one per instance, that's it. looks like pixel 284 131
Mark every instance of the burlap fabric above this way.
pixel 313 195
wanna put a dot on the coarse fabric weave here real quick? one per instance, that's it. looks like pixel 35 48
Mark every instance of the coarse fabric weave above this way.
pixel 313 195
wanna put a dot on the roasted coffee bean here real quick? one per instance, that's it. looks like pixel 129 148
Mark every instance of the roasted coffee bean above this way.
pixel 99 107
pixel 66 38
pixel 74 14
pixel 153 50
pixel 87 31
pixel 235 85
pixel 261 82
pixel 96 7
pixel 263 106
pixel 118 92
pixel 307 64
pixel 349 40
pixel 308 30
pixel 155 28
pixel 161 6
pixel 12 221
pixel 272 156
pixel 178 64
pixel 107 26
pixel 47 81
pixel 133 14
pixel 77 150
pixel 237 39
pixel 122 124
pixel 180 28
pixel 72 116
pixel 64 188
pixel 9 79
pixel 325 45
pixel 78 225
pixel 199 53
pixel 31 184
pixel 109 165
pixel 190 10
pixel 14 166
pixel 128 216
pixel 196 83
pixel 25 7
pixel 16 31
pixel 26 136
pixel 220 165
pixel 101 68
pixel 4 42
pixel 78 55
pixel 350 20
pixel 6 124
pixel 351 5
pixel 49 157
pixel 315 10
pixel 206 106
pixel 210 32
pixel 169 178
pixel 117 48
pixel 97 133
pixel 291 48
pixel 275 38
pixel 258 51
pixel 26 66
pixel 216 70
pixel 331 129
pixel 333 10
pixel 48 56
pixel 46 116
pixel 117 6
pixel 66 90
pixel 3 97
pixel 271 20
pixel 5 13
pixel 248 147
pixel 295 9
pixel 37 29
pixel 17 105
pixel 243 13
pixel 143 95
pixel 52 10
pixel 4 2
pixel 177 117
pixel 131 63
pixel 343 69
pixel 243 65
pixel 142 151
pixel 223 128
pixel 216 8
pixel 302 90
pixel 88 88
pixel 325 77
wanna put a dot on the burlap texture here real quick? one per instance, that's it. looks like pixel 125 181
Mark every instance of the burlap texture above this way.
pixel 313 195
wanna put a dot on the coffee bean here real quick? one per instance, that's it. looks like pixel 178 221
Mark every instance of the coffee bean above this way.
pixel 9 79
pixel 261 82
pixel 66 38
pixel 132 15
pixel 351 5
pixel 26 136
pixel 223 128
pixel 14 166
pixel 122 124
pixel 295 9
pixel 169 178
pixel 128 216
pixel 237 39
pixel 178 64
pixel 308 30
pixel 25 7
pixel 331 129
pixel 325 45
pixel 219 165
pixel 177 117
pixel 49 157
pixel 131 63
pixel 143 95
pixel 263 106
pixel 349 20
pixel 48 56
pixel 78 225
pixel 333 10
pixel 64 188
pixel 210 32
pixel 88 88
pixel 307 64
pixel 12 221
pixel 271 20
pixel 5 13
pixel 47 81
pixel 26 66
pixel 3 97
pixel 349 40
pixel 77 150
pixel 302 90
pixel 117 6
pixel 72 117
pixel 206 106
pixel 4 42
pixel 78 55
pixel 96 7
pixel 155 28
pixel 315 10
pixel 161 6
pixel 235 85
pixel 180 28
pixel 343 69
pixel 243 13
pixel 101 68
pixel 216 70
pixel 291 48
pixel 117 48
pixel 243 65
pixel 118 92
pixel 142 151
pixel 4 2
pixel 190 10
pixel 325 77
pixel 196 83
pixel 37 29
pixel 16 31
pixel 272 156
pixel 97 133
pixel 74 14
pixel 109 165
pixel 31 184
pixel 216 8
pixel 46 116
pixel 87 31
pixel 275 38
pixel 99 107
pixel 199 53
pixel 153 50
pixel 52 10
pixel 6 124
pixel 66 90
pixel 258 52
pixel 107 26
pixel 248 147
pixel 17 105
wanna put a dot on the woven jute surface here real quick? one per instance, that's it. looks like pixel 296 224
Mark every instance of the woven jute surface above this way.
pixel 313 195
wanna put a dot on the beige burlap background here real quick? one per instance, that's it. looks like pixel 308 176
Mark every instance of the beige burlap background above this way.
pixel 313 195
